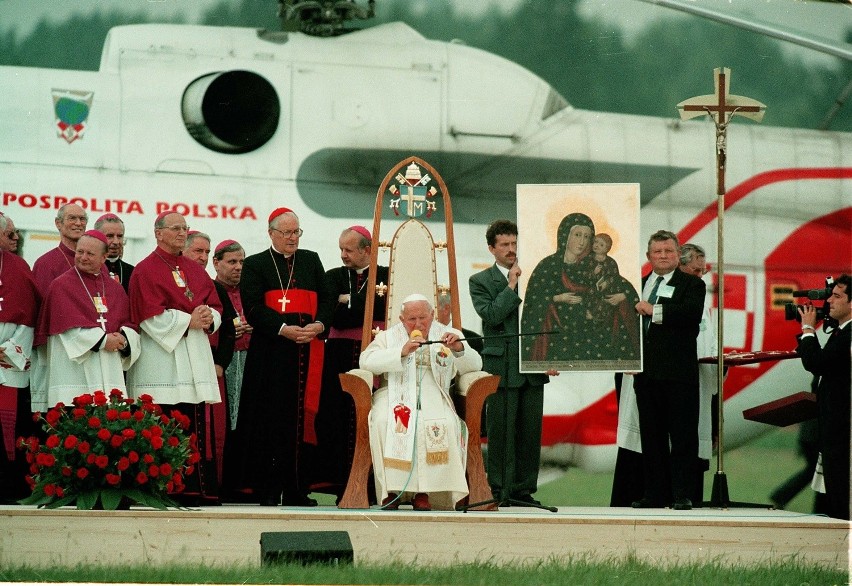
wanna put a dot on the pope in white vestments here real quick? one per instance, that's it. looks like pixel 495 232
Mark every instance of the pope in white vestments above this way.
pixel 417 440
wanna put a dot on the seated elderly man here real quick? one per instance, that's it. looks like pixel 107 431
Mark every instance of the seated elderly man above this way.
pixel 419 444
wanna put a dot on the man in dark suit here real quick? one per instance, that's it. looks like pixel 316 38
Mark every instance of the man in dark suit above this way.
pixel 515 410
pixel 832 364
pixel 667 388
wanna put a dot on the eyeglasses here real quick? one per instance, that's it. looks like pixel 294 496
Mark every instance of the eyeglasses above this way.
pixel 72 219
pixel 12 235
pixel 287 233
pixel 176 229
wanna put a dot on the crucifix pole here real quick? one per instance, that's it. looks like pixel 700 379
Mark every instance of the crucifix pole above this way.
pixel 721 107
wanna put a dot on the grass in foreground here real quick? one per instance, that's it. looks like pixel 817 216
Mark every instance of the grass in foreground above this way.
pixel 581 571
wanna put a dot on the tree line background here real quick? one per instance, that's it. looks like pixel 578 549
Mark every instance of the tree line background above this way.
pixel 587 60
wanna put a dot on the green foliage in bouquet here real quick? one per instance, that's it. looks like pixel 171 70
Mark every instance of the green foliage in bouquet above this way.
pixel 109 450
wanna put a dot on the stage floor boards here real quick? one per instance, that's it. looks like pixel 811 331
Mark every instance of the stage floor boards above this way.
pixel 231 534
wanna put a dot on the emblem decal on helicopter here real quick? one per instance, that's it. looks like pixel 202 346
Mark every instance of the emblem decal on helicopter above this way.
pixel 72 110
pixel 413 190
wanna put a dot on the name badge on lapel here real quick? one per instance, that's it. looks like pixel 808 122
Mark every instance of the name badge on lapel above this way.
pixel 665 291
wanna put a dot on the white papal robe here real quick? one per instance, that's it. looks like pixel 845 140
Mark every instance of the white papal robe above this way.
pixel 444 481
pixel 74 369
pixel 175 364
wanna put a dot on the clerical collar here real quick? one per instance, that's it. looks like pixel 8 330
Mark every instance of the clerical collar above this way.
pixel 167 254
pixel 361 271
pixel 226 286
pixel 112 261
pixel 272 246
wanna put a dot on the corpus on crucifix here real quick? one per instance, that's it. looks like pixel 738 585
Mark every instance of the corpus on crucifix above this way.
pixel 721 107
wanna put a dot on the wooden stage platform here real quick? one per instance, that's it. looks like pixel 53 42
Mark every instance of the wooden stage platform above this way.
pixel 231 534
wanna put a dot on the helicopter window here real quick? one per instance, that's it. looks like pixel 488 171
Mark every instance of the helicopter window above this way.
pixel 231 112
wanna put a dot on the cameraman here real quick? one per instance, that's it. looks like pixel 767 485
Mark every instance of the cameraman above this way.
pixel 832 365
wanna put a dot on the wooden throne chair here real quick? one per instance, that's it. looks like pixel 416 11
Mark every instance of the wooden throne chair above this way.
pixel 414 199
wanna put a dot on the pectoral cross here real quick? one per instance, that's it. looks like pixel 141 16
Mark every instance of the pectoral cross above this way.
pixel 102 320
pixel 283 301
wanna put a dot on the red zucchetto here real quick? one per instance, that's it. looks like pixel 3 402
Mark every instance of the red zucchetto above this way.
pixel 277 212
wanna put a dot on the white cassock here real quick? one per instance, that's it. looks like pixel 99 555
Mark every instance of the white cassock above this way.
pixel 173 367
pixel 74 369
pixel 628 414
pixel 17 342
pixel 426 450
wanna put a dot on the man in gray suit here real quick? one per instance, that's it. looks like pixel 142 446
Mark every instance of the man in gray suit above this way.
pixel 515 410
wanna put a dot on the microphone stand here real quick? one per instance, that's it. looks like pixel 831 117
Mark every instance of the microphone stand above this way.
pixel 504 500
pixel 494 337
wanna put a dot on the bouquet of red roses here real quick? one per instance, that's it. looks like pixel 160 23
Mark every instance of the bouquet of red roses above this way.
pixel 109 450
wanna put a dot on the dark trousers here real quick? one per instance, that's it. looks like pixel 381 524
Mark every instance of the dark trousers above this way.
pixel 835 467
pixel 514 439
pixel 668 415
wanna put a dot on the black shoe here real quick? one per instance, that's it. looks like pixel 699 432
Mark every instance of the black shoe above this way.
pixel 270 501
pixel 645 503
pixel 526 499
pixel 683 504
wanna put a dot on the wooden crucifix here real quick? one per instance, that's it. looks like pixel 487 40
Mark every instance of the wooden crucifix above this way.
pixel 721 107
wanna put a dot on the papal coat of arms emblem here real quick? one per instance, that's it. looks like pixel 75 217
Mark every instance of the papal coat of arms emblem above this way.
pixel 413 189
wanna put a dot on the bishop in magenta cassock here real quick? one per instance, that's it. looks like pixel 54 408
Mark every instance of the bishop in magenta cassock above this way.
pixel 19 301
pixel 71 222
pixel 176 306
pixel 288 303
pixel 85 324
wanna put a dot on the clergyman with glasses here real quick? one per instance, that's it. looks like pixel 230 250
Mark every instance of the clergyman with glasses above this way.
pixel 288 302
pixel 173 300
pixel 9 237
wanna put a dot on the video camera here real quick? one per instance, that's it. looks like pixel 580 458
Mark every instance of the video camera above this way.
pixel 791 310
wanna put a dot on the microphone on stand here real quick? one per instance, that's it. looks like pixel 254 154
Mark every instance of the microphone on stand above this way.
pixel 492 337
pixel 417 334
